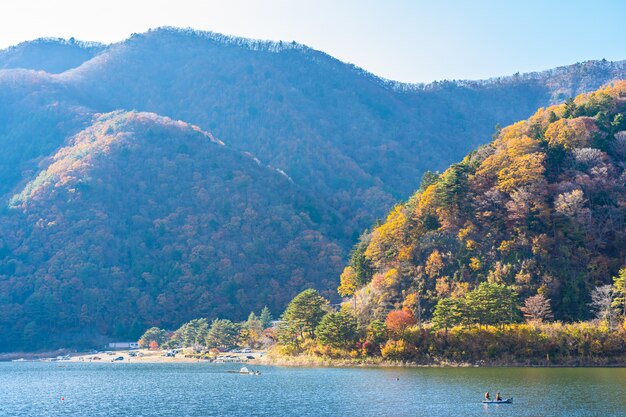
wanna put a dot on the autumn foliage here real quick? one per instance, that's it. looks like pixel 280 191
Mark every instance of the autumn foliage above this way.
pixel 538 210
pixel 399 320
pixel 129 227
pixel 115 222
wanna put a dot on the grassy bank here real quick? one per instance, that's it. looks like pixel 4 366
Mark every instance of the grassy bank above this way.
pixel 308 360
pixel 548 344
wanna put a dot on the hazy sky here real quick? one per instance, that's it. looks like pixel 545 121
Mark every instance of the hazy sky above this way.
pixel 405 40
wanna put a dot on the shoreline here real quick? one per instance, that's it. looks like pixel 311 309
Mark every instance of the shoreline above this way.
pixel 305 361
pixel 300 361
pixel 129 356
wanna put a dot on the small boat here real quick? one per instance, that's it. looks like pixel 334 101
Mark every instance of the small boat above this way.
pixel 507 401
pixel 245 371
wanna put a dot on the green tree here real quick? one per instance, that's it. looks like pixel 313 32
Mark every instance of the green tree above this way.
pixel 266 317
pixel 254 323
pixel 223 334
pixel 288 336
pixel 305 312
pixel 446 314
pixel 376 332
pixel 193 333
pixel 552 117
pixel 491 304
pixel 452 186
pixel 619 290
pixel 618 123
pixel 153 334
pixel 429 178
pixel 360 264
pixel 570 108
pixel 336 329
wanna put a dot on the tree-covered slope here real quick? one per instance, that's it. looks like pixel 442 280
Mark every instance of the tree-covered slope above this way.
pixel 145 221
pixel 336 148
pixel 36 116
pixel 540 209
pixel 51 55
pixel 356 141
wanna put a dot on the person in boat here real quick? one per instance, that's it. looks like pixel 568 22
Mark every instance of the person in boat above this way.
pixel 498 398
pixel 487 396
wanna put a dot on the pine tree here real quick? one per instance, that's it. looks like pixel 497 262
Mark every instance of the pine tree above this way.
pixel 266 317
pixel 305 312
pixel 337 329
pixel 491 304
pixel 446 314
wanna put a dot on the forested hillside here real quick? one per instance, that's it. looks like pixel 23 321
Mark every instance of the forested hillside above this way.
pixel 51 55
pixel 540 210
pixel 114 217
pixel 358 142
pixel 36 117
pixel 128 227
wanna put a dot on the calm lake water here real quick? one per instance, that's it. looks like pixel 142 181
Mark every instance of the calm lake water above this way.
pixel 36 389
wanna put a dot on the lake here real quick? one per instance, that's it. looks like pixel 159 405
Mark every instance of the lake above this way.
pixel 37 389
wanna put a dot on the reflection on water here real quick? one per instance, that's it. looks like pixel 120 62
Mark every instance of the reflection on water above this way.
pixel 47 389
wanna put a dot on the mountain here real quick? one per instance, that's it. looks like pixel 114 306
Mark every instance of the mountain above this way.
pixel 540 209
pixel 36 117
pixel 358 142
pixel 52 55
pixel 128 227
pixel 106 226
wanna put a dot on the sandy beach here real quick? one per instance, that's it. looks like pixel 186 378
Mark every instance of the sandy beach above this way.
pixel 159 356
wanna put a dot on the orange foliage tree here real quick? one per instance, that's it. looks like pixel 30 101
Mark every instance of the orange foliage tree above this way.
pixel 399 320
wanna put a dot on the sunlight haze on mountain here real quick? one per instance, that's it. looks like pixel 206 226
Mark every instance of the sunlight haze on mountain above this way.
pixel 404 40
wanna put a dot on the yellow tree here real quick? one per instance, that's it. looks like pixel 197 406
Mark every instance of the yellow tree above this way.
pixel 387 239
pixel 434 264
pixel 348 287
pixel 571 133
pixel 619 286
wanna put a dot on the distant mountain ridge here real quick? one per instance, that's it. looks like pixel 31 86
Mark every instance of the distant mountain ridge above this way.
pixel 276 79
pixel 52 55
pixel 315 151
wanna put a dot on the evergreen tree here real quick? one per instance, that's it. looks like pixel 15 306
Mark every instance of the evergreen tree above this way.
pixel 193 333
pixel 570 108
pixel 266 317
pixel 223 334
pixel 153 334
pixel 376 332
pixel 446 314
pixel 336 329
pixel 491 304
pixel 305 312
pixel 361 264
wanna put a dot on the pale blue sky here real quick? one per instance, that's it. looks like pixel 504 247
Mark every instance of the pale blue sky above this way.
pixel 404 40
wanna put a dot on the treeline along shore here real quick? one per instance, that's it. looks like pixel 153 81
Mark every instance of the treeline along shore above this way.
pixel 312 333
